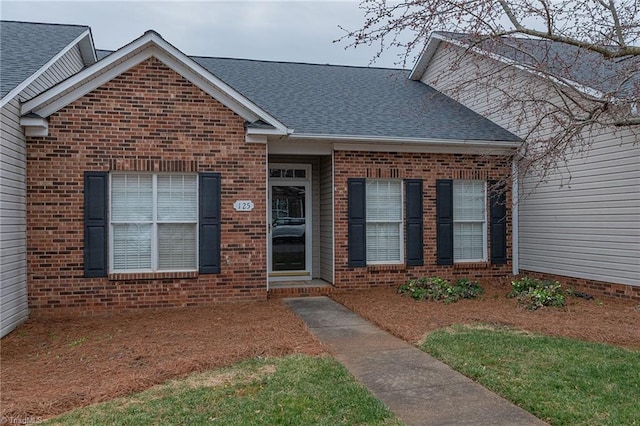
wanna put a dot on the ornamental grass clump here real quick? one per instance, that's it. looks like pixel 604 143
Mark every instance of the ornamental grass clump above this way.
pixel 533 293
pixel 436 288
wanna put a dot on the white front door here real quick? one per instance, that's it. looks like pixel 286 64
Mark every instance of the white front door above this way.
pixel 290 221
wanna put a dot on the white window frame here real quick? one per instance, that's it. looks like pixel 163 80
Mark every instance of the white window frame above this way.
pixel 484 223
pixel 400 224
pixel 154 225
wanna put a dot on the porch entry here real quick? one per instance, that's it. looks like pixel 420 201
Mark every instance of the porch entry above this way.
pixel 290 224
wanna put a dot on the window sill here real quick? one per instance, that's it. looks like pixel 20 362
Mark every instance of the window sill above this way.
pixel 387 267
pixel 471 265
pixel 126 276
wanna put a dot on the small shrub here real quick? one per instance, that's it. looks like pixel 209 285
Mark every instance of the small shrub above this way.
pixel 436 288
pixel 467 289
pixel 533 293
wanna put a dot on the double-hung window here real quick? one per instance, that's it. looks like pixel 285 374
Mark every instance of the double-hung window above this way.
pixel 154 221
pixel 384 236
pixel 469 221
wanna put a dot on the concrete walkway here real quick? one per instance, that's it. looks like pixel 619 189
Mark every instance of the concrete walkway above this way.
pixel 419 389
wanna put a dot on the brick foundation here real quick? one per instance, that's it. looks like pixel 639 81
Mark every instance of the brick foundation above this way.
pixel 594 288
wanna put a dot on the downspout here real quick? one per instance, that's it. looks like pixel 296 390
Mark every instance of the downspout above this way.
pixel 514 215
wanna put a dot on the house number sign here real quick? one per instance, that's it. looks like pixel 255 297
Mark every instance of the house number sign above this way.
pixel 243 205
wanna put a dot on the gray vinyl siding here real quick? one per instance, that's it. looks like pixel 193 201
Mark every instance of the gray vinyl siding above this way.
pixel 315 207
pixel 13 216
pixel 582 222
pixel 326 218
pixel 587 226
pixel 486 96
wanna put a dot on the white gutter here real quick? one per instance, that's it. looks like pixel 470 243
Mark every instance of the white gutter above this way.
pixel 407 141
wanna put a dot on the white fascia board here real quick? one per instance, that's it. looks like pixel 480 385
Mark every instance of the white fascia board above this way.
pixel 150 44
pixel 288 147
pixel 261 139
pixel 19 88
pixel 35 126
pixel 396 142
pixel 425 57
pixel 268 132
pixel 589 91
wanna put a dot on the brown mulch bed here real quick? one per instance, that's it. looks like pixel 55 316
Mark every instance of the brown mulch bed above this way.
pixel 611 321
pixel 49 366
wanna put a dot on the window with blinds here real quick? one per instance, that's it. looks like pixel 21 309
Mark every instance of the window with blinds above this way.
pixel 153 222
pixel 469 221
pixel 384 221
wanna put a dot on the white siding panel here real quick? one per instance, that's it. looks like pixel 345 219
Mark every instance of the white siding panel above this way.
pixel 583 221
pixel 13 162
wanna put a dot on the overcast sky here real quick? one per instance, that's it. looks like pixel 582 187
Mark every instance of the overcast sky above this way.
pixel 298 31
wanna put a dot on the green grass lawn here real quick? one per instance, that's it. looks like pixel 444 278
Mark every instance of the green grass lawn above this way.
pixel 562 381
pixel 295 390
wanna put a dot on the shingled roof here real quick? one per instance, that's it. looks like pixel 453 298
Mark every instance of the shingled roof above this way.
pixel 27 47
pixel 352 101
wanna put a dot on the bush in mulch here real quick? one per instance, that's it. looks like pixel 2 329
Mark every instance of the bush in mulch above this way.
pixel 436 288
pixel 533 293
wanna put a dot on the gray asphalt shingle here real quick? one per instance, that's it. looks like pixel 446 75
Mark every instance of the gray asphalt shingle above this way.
pixel 352 101
pixel 25 47
pixel 309 98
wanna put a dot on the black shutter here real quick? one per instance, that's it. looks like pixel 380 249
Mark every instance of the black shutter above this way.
pixel 413 234
pixel 209 223
pixel 95 224
pixel 498 228
pixel 444 221
pixel 357 227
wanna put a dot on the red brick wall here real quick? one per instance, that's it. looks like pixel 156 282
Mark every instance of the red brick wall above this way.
pixel 428 167
pixel 592 287
pixel 147 119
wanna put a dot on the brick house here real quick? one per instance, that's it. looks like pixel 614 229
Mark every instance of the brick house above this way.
pixel 162 180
